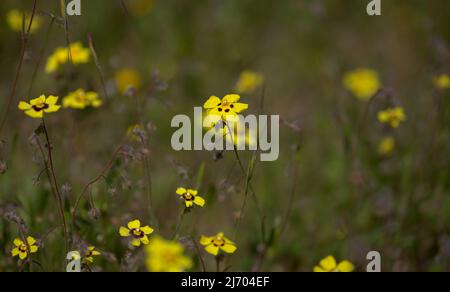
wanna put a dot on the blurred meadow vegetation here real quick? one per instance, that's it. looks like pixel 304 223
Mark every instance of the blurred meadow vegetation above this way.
pixel 336 188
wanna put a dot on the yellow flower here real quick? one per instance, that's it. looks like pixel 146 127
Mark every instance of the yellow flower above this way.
pixel 23 249
pixel 127 79
pixel 225 109
pixel 249 82
pixel 363 83
pixel 166 256
pixel 190 197
pixel 81 99
pixel 442 81
pixel 386 146
pixel 329 264
pixel 90 254
pixel 392 116
pixel 15 19
pixel 137 233
pixel 38 106
pixel 219 242
pixel 60 56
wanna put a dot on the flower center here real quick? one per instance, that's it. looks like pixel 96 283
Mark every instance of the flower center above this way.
pixel 23 248
pixel 137 233
pixel 218 242
pixel 188 197
pixel 40 107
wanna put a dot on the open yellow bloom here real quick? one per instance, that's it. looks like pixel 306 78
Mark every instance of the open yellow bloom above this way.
pixel 442 81
pixel 166 256
pixel 60 56
pixel 216 243
pixel 392 116
pixel 363 83
pixel 90 254
pixel 329 264
pixel 127 79
pixel 38 106
pixel 137 233
pixel 386 146
pixel 190 197
pixel 23 249
pixel 81 99
pixel 249 82
pixel 15 20
pixel 226 108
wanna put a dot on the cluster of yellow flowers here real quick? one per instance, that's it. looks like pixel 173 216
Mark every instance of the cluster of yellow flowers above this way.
pixel 329 264
pixel 75 53
pixel 20 20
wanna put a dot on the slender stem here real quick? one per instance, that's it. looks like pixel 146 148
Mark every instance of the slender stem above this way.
pixel 180 222
pixel 53 176
pixel 218 259
pixel 202 262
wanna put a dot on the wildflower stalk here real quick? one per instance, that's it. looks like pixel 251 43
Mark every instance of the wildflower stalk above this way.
pixel 180 222
pixel 23 50
pixel 202 262
pixel 55 183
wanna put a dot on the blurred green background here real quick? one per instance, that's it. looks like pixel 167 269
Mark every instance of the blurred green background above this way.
pixel 329 193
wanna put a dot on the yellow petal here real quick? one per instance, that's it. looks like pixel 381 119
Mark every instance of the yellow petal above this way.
pixel 228 248
pixel 345 267
pixel 15 252
pixel 231 98
pixel 328 263
pixel 318 269
pixel 51 100
pixel 33 248
pixel 145 240
pixel 24 106
pixel 199 201
pixel 189 204
pixel 181 191
pixel 52 109
pixel 192 192
pixel 23 255
pixel 240 107
pixel 136 242
pixel 211 249
pixel 204 240
pixel 147 230
pixel 212 102
pixel 34 114
pixel 31 240
pixel 18 242
pixel 96 253
pixel 124 232
pixel 39 100
pixel 134 224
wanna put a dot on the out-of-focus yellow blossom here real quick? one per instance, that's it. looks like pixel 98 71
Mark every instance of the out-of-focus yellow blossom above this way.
pixel 442 81
pixel 166 256
pixel 329 264
pixel 190 197
pixel 249 82
pixel 216 243
pixel 225 109
pixel 127 79
pixel 80 99
pixel 38 106
pixel 23 249
pixel 392 116
pixel 15 20
pixel 140 7
pixel 78 53
pixel 363 83
pixel 90 254
pixel 386 146
pixel 137 233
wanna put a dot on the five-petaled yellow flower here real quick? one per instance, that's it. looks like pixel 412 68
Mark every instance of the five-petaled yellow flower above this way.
pixel 38 106
pixel 127 79
pixel 442 81
pixel 166 256
pixel 90 254
pixel 363 83
pixel 23 249
pixel 329 264
pixel 386 146
pixel 15 20
pixel 392 116
pixel 60 56
pixel 190 197
pixel 80 99
pixel 249 82
pixel 225 109
pixel 216 243
pixel 136 232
